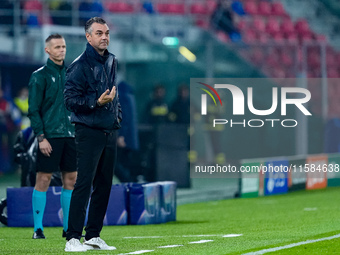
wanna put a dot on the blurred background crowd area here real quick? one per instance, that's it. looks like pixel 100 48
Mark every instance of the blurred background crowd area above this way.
pixel 161 44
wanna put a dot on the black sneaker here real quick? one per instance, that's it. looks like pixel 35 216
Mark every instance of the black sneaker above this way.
pixel 64 233
pixel 39 234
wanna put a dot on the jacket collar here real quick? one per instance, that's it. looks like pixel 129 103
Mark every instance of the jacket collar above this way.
pixel 93 53
pixel 53 65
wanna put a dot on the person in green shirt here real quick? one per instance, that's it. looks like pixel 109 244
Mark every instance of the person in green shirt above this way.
pixel 55 134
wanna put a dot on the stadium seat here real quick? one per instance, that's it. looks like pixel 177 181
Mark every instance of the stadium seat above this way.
pixel 33 5
pixel 171 8
pixel 278 10
pixel 262 37
pixel 333 73
pixel 249 36
pixel 331 59
pixel 119 7
pixel 264 8
pixel 287 26
pixel 272 26
pixel 257 56
pixel 258 24
pixel 211 5
pixel 250 7
pixel 278 37
pixel 302 26
pixel 292 38
pixel 242 24
pixel 199 8
pixel 313 59
pixel 286 59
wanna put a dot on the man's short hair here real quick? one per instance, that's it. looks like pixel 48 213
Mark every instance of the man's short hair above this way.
pixel 91 21
pixel 53 36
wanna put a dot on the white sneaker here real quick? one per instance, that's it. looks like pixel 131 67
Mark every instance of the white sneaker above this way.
pixel 74 245
pixel 97 243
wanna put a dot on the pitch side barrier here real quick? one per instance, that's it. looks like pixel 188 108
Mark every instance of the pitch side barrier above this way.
pixel 129 204
pixel 280 175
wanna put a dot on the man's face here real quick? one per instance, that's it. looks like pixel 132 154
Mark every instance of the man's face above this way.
pixel 99 38
pixel 56 49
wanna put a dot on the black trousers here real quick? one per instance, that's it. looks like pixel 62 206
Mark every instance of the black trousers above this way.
pixel 96 156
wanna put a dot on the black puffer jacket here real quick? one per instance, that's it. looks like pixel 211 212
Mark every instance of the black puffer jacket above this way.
pixel 87 78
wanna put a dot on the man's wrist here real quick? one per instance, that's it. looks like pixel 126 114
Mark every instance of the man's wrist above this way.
pixel 98 104
pixel 40 138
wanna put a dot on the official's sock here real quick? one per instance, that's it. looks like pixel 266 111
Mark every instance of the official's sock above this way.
pixel 65 200
pixel 38 205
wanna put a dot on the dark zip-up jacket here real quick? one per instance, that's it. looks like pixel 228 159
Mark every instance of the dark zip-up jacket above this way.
pixel 46 109
pixel 87 78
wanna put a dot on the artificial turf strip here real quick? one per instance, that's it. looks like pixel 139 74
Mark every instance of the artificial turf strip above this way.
pixel 264 222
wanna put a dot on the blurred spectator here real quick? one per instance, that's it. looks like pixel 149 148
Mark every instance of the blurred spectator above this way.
pixel 21 102
pixel 157 108
pixel 128 142
pixel 89 9
pixel 64 15
pixel 222 19
pixel 180 108
pixel 6 18
pixel 9 119
pixel 33 12
pixel 148 7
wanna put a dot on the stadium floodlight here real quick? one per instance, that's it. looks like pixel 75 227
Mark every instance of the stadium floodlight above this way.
pixel 187 54
pixel 170 41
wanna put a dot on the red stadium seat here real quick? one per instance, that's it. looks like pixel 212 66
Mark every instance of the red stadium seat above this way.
pixel 33 5
pixel 257 56
pixel 171 8
pixel 272 26
pixel 250 8
pixel 120 7
pixel 199 8
pixel 302 26
pixel 278 37
pixel 286 59
pixel 258 24
pixel 292 38
pixel 242 24
pixel 211 5
pixel 249 36
pixel 287 26
pixel 264 8
pixel 278 10
pixel 333 73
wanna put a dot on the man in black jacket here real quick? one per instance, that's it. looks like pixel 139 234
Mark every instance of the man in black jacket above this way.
pixel 91 95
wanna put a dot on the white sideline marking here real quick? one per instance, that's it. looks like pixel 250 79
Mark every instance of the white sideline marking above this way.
pixel 144 236
pixel 310 209
pixel 170 246
pixel 203 241
pixel 139 252
pixel 137 237
pixel 232 235
pixel 291 245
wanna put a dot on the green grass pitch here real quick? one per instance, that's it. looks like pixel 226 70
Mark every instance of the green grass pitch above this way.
pixel 265 222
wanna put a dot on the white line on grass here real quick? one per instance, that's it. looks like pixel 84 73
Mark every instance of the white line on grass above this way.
pixel 203 241
pixel 143 237
pixel 291 245
pixel 137 252
pixel 170 246
pixel 232 235
pixel 310 209
pixel 137 237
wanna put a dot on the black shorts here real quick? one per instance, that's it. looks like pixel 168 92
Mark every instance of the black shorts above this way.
pixel 62 158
